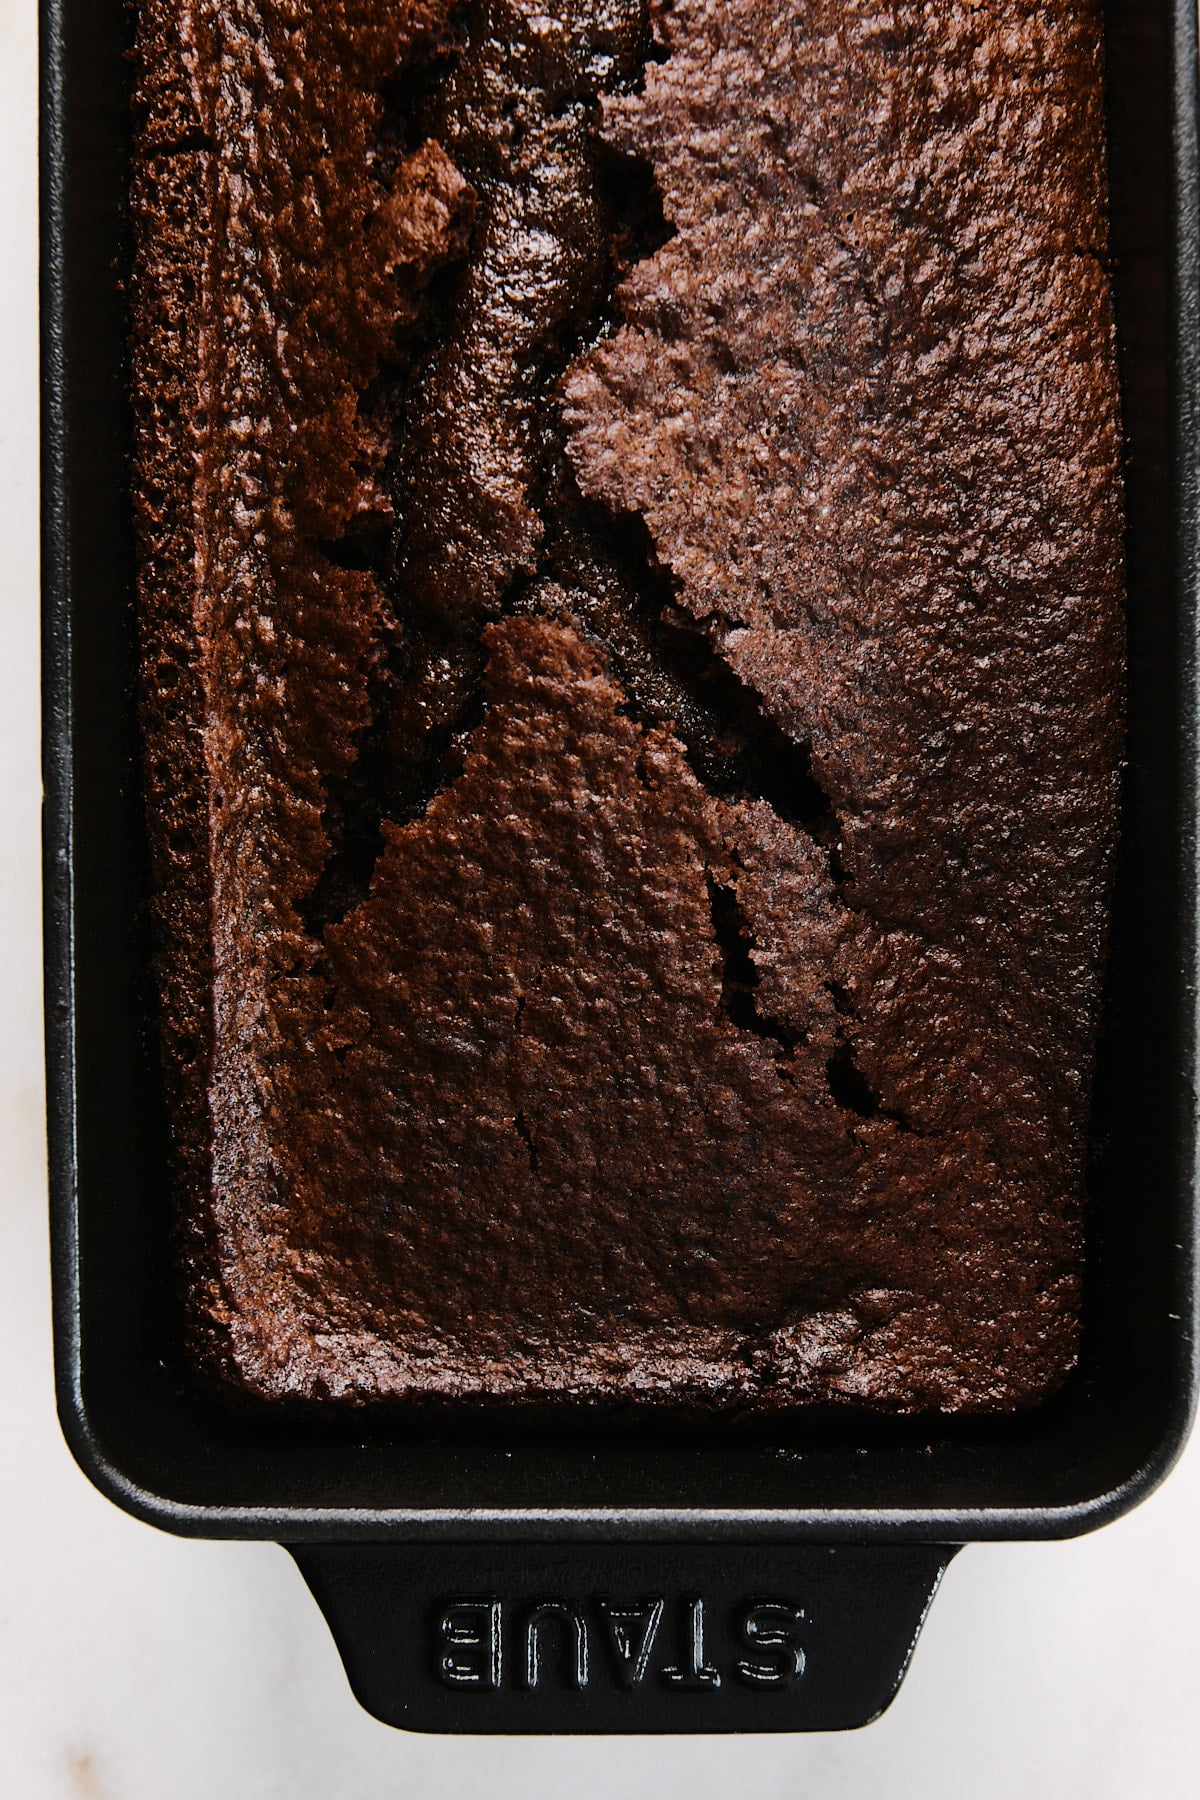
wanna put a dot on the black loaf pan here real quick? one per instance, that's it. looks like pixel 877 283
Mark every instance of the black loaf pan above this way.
pixel 508 1579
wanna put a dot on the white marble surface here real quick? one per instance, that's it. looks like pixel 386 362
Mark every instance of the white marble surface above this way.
pixel 137 1667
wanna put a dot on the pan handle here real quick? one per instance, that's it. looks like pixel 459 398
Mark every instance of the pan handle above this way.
pixel 604 1637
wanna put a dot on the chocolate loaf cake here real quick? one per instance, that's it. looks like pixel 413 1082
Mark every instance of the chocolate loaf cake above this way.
pixel 631 538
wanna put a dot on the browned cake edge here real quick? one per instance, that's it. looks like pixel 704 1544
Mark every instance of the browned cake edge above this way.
pixel 191 469
pixel 169 194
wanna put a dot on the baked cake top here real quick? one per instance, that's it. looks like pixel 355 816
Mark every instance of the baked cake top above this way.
pixel 631 584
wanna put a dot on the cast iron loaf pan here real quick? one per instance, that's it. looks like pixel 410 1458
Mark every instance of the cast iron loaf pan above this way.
pixel 507 1578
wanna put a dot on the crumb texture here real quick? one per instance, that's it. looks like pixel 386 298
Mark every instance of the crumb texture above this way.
pixel 631 572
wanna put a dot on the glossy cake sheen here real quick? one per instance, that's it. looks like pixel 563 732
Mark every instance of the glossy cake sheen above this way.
pixel 631 537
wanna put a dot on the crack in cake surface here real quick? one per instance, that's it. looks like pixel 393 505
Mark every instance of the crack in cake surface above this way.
pixel 598 570
pixel 596 214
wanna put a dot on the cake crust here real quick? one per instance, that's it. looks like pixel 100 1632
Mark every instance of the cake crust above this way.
pixel 630 589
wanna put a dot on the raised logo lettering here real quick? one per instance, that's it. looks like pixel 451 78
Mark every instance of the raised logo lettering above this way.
pixel 774 1626
pixel 692 1671
pixel 548 1642
pixel 471 1648
pixel 631 1631
pixel 543 1613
